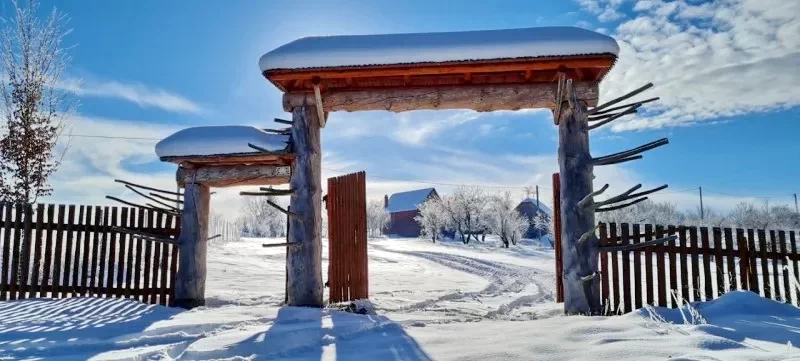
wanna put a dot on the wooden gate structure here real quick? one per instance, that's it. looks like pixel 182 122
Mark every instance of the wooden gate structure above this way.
pixel 348 278
pixel 556 68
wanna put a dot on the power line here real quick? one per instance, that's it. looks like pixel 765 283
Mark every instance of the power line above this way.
pixel 109 137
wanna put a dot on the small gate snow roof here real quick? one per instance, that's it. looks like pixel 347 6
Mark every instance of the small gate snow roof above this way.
pixel 219 141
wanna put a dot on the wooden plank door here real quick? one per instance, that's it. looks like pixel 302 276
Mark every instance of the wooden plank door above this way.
pixel 347 238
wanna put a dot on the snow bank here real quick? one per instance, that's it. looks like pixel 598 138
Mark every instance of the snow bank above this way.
pixel 432 302
pixel 219 140
pixel 361 50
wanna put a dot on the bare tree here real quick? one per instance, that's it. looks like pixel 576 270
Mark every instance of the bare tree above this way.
pixel 432 218
pixel 377 217
pixel 465 208
pixel 32 59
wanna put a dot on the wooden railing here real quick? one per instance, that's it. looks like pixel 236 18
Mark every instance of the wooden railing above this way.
pixel 700 265
pixel 57 251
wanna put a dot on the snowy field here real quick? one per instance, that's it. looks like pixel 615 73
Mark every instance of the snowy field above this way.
pixel 444 301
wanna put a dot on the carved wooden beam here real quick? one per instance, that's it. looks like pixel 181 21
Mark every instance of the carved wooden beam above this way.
pixel 237 175
pixel 477 97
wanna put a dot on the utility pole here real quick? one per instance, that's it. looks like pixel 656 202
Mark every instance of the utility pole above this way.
pixel 702 211
pixel 795 203
pixel 537 198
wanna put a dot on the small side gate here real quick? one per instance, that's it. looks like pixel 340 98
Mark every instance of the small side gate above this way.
pixel 347 237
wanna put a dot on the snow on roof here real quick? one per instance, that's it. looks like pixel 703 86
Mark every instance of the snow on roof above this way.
pixel 219 140
pixel 361 50
pixel 542 207
pixel 407 201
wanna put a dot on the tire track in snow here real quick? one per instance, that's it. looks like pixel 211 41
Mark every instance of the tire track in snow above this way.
pixel 504 280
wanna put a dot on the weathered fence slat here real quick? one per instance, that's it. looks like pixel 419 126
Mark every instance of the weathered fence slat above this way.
pixel 787 297
pixel 731 265
pixel 46 281
pixel 5 268
pixel 127 256
pixel 744 259
pixel 638 293
pixel 762 244
pixel 68 254
pixel 27 245
pixel 696 276
pixel 615 267
pixel 793 242
pixel 661 269
pixel 112 260
pixel 82 267
pixel 673 266
pixel 776 281
pixel 626 270
pixel 683 253
pixel 137 265
pixel 707 280
pixel 648 265
pixel 753 265
pixel 557 237
pixel 148 249
pixel 603 237
pixel 719 262
pixel 36 243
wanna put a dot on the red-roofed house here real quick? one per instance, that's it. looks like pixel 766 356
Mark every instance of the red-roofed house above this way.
pixel 403 207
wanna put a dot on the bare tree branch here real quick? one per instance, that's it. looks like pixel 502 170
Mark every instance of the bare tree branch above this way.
pixel 629 153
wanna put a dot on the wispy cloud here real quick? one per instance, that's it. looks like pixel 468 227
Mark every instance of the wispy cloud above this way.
pixel 708 60
pixel 139 94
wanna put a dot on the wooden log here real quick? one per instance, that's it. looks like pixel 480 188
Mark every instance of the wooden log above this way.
pixel 481 98
pixel 234 175
pixel 305 286
pixel 190 281
pixel 580 260
pixel 147 188
pixel 286 244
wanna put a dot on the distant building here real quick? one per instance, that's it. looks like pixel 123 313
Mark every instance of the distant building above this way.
pixel 529 208
pixel 403 207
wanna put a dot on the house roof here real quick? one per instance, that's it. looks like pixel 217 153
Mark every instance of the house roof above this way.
pixel 542 207
pixel 408 201
pixel 385 49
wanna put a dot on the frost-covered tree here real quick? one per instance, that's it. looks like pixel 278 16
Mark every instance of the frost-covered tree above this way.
pixel 432 218
pixel 465 207
pixel 544 223
pixel 747 215
pixel 377 218
pixel 504 220
pixel 35 109
pixel 259 219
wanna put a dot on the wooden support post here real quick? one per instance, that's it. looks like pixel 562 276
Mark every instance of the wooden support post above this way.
pixel 190 281
pixel 304 282
pixel 581 281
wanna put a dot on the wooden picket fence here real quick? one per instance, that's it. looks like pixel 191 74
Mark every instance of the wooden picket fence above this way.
pixel 700 265
pixel 347 238
pixel 58 251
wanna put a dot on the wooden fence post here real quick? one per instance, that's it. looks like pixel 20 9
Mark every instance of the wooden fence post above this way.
pixel 557 236
pixel 190 281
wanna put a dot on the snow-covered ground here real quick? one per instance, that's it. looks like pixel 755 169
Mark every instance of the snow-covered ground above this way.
pixel 444 301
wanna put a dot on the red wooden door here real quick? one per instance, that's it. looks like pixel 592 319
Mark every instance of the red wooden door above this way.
pixel 347 238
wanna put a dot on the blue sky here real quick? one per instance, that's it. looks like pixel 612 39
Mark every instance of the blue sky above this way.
pixel 726 72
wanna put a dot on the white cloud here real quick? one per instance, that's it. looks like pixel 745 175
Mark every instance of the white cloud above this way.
pixel 707 61
pixel 139 94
